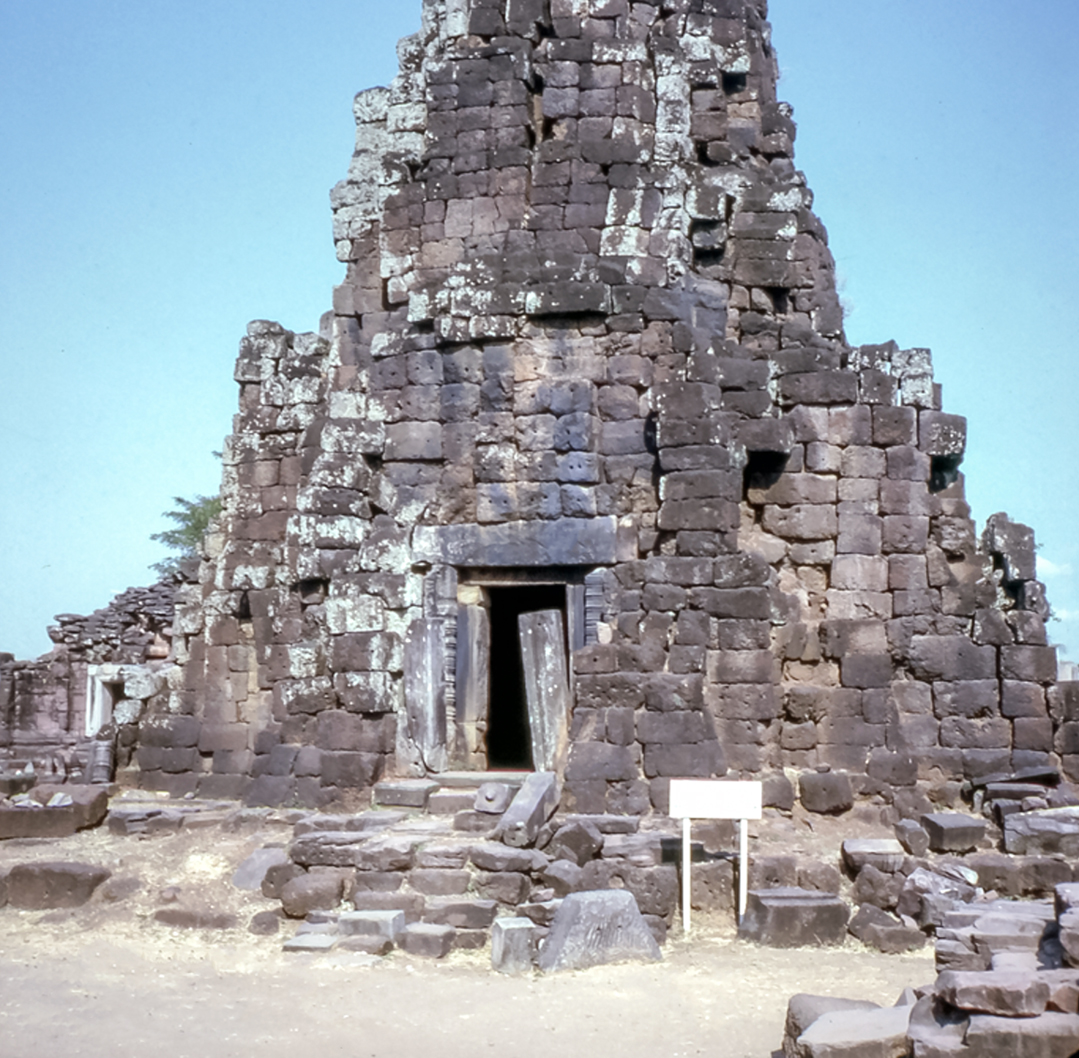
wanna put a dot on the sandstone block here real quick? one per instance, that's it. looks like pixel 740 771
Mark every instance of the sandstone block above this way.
pixel 792 918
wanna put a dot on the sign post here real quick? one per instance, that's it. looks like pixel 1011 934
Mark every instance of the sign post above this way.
pixel 716 799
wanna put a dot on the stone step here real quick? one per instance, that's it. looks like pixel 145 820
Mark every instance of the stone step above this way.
pixel 474 779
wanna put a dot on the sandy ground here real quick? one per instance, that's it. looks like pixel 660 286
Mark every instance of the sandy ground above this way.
pixel 106 980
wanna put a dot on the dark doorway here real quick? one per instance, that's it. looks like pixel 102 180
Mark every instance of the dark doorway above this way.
pixel 509 742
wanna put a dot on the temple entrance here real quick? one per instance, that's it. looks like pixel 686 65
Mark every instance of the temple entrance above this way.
pixel 509 741
pixel 516 630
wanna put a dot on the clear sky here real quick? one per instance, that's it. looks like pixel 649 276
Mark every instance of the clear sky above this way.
pixel 165 178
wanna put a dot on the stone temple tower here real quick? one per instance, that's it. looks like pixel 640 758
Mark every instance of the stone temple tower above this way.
pixel 580 473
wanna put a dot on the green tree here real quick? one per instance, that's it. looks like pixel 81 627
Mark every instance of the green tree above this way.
pixel 192 517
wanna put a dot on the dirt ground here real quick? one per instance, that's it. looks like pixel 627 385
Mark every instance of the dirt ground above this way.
pixel 107 980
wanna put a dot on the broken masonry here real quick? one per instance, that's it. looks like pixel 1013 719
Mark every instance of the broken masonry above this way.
pixel 579 474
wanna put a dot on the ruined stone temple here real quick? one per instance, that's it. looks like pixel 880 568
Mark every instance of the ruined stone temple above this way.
pixel 580 473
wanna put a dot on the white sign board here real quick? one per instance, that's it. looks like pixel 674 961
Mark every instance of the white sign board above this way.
pixel 715 799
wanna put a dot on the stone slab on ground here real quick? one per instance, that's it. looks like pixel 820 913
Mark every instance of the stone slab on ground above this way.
pixel 86 806
pixel 1010 993
pixel 385 924
pixel 1049 1035
pixel 885 854
pixel 428 939
pixel 1046 832
pixel 878 1033
pixel 310 942
pixel 804 1008
pixel 789 917
pixel 596 927
pixel 41 886
pixel 405 793
pixel 513 945
pixel 953 831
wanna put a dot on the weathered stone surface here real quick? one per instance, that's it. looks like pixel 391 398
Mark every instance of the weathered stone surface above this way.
pixel 880 1033
pixel 512 945
pixel 1047 832
pixel 252 872
pixel 592 928
pixel 937 1030
pixel 804 1008
pixel 885 932
pixel 311 892
pixel 953 831
pixel 792 918
pixel 912 837
pixel 385 924
pixel 1049 1035
pixel 1008 993
pixel 404 793
pixel 36 886
pixel 885 854
pixel 427 939
pixel 532 806
pixel 828 793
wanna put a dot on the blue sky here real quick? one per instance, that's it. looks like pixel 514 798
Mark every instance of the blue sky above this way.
pixel 165 181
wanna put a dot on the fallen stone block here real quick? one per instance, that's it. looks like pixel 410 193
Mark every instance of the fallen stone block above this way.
pixel 252 872
pixel 912 837
pixel 278 876
pixel 428 939
pixel 1048 1035
pixel 1069 936
pixel 310 942
pixel 311 892
pixel 1066 897
pixel 953 831
pixel 937 1030
pixel 1049 831
pixel 493 798
pixel 412 904
pixel 562 876
pixel 826 793
pixel 1008 993
pixel 386 924
pixel 491 856
pixel 532 806
pixel 461 913
pixel 885 854
pixel 40 886
pixel 512 945
pixel 885 932
pixel 878 1033
pixel 877 888
pixel 577 842
pixel 804 1008
pixel 450 802
pixel 928 896
pixel 593 928
pixel 1063 990
pixel 368 944
pixel 195 918
pixel 404 793
pixel 794 918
